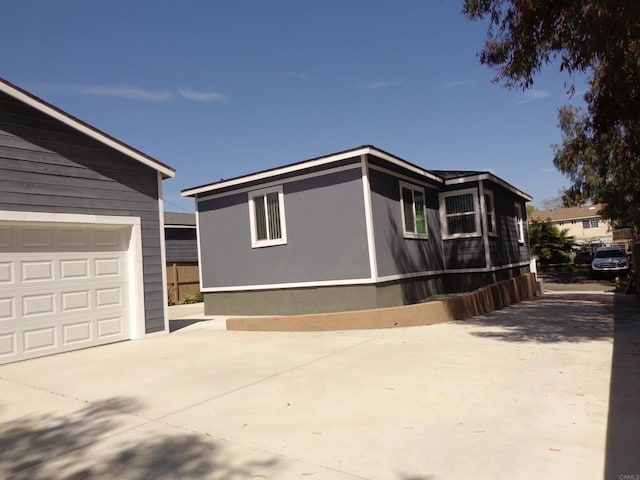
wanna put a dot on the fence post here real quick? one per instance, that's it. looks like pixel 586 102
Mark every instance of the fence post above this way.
pixel 176 285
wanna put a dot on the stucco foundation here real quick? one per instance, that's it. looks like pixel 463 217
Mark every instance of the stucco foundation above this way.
pixel 457 307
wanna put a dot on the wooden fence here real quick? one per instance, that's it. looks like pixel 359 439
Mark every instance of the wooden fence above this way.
pixel 182 278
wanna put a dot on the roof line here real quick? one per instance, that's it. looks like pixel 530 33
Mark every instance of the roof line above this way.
pixel 304 164
pixel 493 178
pixel 83 127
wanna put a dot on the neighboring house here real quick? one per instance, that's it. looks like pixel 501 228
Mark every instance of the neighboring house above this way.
pixel 583 223
pixel 357 229
pixel 81 244
pixel 180 237
pixel 182 255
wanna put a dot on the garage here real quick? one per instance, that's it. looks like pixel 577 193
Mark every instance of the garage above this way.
pixel 82 250
pixel 64 286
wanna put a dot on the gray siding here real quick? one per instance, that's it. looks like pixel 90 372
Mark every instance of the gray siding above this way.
pixel 181 244
pixel 326 235
pixel 46 166
pixel 505 249
pixel 396 254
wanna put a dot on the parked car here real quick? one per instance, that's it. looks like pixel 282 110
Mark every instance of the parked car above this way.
pixel 611 261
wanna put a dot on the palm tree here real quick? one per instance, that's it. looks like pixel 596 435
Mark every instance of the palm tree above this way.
pixel 549 243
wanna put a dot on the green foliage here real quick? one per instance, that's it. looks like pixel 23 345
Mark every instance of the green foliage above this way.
pixel 600 151
pixel 550 244
pixel 191 298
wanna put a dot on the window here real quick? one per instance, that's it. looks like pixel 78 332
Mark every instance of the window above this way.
pixel 266 215
pixel 490 212
pixel 413 210
pixel 594 223
pixel 459 212
pixel 519 222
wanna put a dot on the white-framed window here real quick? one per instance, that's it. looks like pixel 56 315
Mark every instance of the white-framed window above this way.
pixel 593 223
pixel 414 217
pixel 459 213
pixel 266 217
pixel 519 218
pixel 490 212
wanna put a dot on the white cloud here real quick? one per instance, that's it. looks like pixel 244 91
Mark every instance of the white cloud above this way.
pixel 532 95
pixel 129 93
pixel 196 96
pixel 449 84
pixel 379 85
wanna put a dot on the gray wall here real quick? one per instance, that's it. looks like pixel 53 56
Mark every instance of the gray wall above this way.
pixel 396 254
pixel 505 249
pixel 46 166
pixel 326 235
pixel 181 244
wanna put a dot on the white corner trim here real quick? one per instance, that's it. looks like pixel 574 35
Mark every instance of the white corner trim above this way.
pixel 85 129
pixel 199 247
pixel 485 225
pixel 163 256
pixel 368 212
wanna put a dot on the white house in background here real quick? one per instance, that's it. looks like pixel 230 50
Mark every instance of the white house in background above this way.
pixel 583 223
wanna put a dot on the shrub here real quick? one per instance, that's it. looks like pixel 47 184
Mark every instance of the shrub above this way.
pixel 191 298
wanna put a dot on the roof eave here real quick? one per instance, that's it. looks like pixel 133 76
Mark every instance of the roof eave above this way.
pixel 83 127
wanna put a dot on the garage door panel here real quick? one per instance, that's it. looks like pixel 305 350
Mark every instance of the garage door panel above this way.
pixel 76 332
pixel 38 339
pixel 62 288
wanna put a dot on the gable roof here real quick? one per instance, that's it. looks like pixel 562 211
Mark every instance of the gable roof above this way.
pixel 571 213
pixel 453 177
pixel 306 164
pixel 84 128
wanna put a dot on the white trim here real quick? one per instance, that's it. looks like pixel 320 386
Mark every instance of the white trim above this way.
pixel 311 164
pixel 443 213
pixel 255 243
pixel 518 216
pixel 401 176
pixel 485 223
pixel 401 276
pixel 329 171
pixel 413 188
pixel 368 215
pixel 83 128
pixel 276 286
pixel 272 173
pixel 356 281
pixel 198 245
pixel 189 227
pixel 163 256
pixel 491 177
pixel 134 253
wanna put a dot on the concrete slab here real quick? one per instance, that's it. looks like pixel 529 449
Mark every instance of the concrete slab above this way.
pixel 522 393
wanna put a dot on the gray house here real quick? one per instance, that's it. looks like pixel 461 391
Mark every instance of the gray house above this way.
pixel 180 237
pixel 81 233
pixel 356 229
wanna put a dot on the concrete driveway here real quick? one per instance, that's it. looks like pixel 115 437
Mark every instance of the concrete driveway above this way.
pixel 545 389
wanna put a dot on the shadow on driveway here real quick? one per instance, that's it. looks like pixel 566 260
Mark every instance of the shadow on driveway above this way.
pixel 60 447
pixel 582 318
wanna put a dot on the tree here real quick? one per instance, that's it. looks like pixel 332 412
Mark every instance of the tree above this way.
pixel 600 151
pixel 549 243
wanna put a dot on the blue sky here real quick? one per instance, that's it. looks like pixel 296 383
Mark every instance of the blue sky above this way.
pixel 218 89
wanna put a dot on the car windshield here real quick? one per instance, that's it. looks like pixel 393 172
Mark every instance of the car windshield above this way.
pixel 610 253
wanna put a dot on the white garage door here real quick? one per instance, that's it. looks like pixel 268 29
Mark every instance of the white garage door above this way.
pixel 62 287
